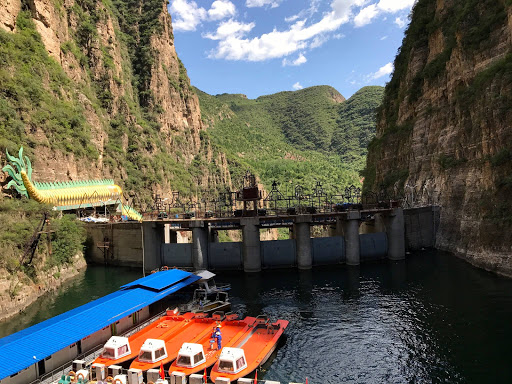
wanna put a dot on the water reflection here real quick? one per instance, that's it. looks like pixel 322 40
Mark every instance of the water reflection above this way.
pixel 91 284
pixel 432 318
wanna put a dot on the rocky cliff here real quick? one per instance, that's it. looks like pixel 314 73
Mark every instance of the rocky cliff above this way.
pixel 94 88
pixel 444 129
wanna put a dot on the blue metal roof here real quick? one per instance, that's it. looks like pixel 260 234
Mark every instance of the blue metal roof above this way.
pixel 24 348
pixel 158 281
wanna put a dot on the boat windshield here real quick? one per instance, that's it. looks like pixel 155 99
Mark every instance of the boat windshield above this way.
pixel 198 357
pixel 183 361
pixel 226 365
pixel 240 363
pixel 108 353
pixel 122 350
pixel 146 356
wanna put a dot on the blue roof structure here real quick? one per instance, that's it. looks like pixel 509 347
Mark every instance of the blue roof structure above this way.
pixel 24 348
pixel 157 281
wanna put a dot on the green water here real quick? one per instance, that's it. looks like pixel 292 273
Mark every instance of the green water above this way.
pixel 90 284
pixel 431 319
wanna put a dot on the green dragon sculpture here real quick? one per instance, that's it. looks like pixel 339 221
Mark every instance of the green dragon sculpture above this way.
pixel 64 195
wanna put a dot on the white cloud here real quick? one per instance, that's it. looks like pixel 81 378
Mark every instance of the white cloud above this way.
pixel 393 6
pixel 221 9
pixel 383 71
pixel 262 3
pixel 188 15
pixel 298 61
pixel 366 15
pixel 292 18
pixel 400 22
pixel 277 44
pixel 230 28
pixel 318 41
pixel 305 13
pixel 338 36
pixel 383 37
pixel 297 86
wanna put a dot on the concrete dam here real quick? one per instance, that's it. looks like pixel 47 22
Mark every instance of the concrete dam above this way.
pixel 355 236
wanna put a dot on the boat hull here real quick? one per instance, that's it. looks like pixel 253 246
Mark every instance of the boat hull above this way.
pixel 240 328
pixel 155 330
pixel 258 347
pixel 194 330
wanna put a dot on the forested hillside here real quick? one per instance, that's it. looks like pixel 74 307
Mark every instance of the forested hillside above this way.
pixel 294 137
pixel 91 89
pixel 95 89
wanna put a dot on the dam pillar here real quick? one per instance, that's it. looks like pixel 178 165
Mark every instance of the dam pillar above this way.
pixel 351 233
pixel 251 244
pixel 199 244
pixel 395 229
pixel 302 232
pixel 152 239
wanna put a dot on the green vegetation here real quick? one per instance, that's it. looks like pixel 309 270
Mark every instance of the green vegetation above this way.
pixel 470 24
pixel 294 137
pixel 139 21
pixel 504 156
pixel 500 71
pixel 355 126
pixel 397 176
pixel 68 240
pixel 18 221
pixel 35 94
pixel 449 161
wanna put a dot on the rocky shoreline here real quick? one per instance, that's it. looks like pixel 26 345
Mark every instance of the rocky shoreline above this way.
pixel 26 292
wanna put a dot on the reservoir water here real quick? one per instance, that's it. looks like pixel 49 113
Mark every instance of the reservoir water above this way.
pixel 433 318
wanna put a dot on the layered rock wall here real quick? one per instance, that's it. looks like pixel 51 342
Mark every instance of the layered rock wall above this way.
pixel 146 139
pixel 444 131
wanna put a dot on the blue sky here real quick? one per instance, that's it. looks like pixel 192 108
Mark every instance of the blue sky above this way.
pixel 260 47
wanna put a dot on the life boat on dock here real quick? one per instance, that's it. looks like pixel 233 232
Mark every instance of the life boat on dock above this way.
pixel 252 351
pixel 119 349
pixel 165 349
pixel 202 303
pixel 196 357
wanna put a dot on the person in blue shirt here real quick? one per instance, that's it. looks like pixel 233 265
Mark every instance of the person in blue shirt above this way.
pixel 217 335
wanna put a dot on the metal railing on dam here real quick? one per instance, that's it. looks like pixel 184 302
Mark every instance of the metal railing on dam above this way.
pixel 348 237
pixel 250 210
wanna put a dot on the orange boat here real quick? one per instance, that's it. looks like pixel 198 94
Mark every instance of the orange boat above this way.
pixel 120 349
pixel 195 357
pixel 163 350
pixel 249 353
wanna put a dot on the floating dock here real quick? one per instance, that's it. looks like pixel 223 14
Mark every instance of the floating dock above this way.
pixel 35 353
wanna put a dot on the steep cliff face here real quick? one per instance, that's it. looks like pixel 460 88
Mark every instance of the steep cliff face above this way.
pixel 95 89
pixel 444 129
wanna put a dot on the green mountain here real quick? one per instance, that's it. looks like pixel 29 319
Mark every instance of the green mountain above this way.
pixel 294 137
pixel 355 126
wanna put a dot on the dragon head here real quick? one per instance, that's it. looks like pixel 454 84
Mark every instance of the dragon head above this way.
pixel 14 170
